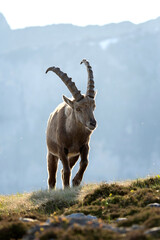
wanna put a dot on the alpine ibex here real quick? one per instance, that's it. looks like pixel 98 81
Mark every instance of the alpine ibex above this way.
pixel 69 129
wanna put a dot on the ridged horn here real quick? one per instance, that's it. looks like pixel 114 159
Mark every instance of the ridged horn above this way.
pixel 68 82
pixel 90 86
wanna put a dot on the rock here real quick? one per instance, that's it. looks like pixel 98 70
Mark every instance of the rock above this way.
pixel 81 219
pixel 120 230
pixel 136 227
pixel 27 219
pixel 120 219
pixel 76 215
pixel 153 231
pixel 81 215
pixel 153 205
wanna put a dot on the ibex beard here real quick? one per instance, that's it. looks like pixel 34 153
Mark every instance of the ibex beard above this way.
pixel 69 129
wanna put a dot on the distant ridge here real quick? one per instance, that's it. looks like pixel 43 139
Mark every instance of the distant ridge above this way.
pixel 4 26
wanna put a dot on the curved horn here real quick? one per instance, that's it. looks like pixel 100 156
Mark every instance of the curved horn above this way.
pixel 90 86
pixel 68 82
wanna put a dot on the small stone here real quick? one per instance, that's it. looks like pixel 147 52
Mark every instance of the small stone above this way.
pixel 120 230
pixel 91 217
pixel 136 227
pixel 109 227
pixel 120 219
pixel 81 219
pixel 153 205
pixel 153 231
pixel 81 215
pixel 76 215
pixel 48 221
pixel 27 219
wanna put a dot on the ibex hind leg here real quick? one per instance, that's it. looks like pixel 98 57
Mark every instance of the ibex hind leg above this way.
pixel 66 171
pixel 72 162
pixel 52 162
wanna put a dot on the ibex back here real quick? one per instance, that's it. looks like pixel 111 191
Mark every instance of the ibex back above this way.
pixel 69 129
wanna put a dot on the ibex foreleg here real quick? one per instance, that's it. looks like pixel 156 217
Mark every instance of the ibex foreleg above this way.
pixel 83 165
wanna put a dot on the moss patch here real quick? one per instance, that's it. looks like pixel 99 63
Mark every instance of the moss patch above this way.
pixel 79 233
pixel 152 182
pixel 12 231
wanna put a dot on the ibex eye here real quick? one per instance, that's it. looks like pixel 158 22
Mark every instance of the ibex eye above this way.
pixel 78 109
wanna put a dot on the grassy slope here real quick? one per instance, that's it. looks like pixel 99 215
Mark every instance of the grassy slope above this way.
pixel 106 201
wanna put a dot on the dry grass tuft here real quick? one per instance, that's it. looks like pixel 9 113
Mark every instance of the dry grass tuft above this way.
pixel 15 203
pixel 68 195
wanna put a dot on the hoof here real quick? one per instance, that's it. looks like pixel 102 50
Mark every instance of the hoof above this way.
pixel 50 188
pixel 66 187
pixel 76 182
pixel 51 185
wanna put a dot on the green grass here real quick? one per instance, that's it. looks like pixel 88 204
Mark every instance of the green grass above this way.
pixel 105 201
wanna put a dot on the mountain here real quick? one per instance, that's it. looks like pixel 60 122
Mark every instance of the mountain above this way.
pixel 3 24
pixel 125 59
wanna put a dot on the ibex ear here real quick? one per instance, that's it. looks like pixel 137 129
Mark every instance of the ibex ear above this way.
pixel 68 101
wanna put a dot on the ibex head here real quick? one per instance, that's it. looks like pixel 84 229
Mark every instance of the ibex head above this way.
pixel 82 105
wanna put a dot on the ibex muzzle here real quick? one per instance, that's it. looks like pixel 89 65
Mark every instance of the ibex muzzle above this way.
pixel 69 129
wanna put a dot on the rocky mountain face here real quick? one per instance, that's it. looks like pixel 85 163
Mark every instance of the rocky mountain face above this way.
pixel 126 62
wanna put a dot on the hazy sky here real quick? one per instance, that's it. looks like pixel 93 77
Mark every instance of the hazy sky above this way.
pixel 22 13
